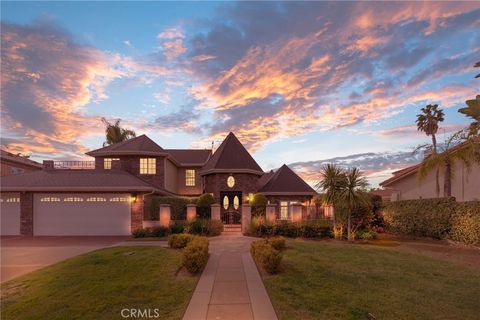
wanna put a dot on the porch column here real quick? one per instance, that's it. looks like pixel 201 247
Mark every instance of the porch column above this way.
pixel 191 212
pixel 271 212
pixel 296 212
pixel 215 211
pixel 136 212
pixel 165 215
pixel 246 217
pixel 26 214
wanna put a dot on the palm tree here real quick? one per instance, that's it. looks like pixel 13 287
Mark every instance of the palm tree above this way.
pixel 115 134
pixel 427 122
pixel 353 193
pixel 331 181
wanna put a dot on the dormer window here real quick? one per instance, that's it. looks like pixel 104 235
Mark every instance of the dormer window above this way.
pixel 190 178
pixel 148 166
pixel 107 162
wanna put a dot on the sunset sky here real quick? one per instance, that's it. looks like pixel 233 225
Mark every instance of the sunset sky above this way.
pixel 298 83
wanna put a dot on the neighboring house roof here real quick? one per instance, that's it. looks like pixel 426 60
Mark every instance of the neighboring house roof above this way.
pixel 231 156
pixel 382 192
pixel 15 158
pixel 190 156
pixel 405 172
pixel 141 145
pixel 285 181
pixel 76 181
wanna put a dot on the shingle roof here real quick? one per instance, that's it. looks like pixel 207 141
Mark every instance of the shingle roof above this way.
pixel 284 180
pixel 75 180
pixel 190 156
pixel 5 155
pixel 231 155
pixel 141 145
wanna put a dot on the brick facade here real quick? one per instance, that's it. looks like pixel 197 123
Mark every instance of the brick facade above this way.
pixel 137 213
pixel 131 164
pixel 26 213
pixel 244 182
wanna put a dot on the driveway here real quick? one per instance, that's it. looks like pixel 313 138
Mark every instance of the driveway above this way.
pixel 21 255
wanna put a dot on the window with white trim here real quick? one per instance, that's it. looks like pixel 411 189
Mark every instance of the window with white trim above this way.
pixel 107 162
pixel 148 166
pixel 284 208
pixel 190 178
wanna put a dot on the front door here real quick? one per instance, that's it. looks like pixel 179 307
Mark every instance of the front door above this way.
pixel 231 202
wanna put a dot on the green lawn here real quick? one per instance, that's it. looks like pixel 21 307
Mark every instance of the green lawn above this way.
pixel 100 284
pixel 326 280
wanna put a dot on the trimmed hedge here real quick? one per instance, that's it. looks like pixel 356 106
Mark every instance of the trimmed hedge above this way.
pixel 440 218
pixel 278 243
pixel 265 255
pixel 178 207
pixel 151 232
pixel 204 227
pixel 305 229
pixel 178 241
pixel 195 255
pixel 204 203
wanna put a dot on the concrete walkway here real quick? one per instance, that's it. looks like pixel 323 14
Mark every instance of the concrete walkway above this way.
pixel 230 286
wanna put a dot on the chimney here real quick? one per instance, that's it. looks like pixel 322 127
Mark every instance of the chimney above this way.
pixel 116 165
pixel 48 165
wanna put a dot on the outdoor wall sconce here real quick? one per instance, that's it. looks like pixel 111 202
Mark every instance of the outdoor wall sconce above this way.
pixel 134 198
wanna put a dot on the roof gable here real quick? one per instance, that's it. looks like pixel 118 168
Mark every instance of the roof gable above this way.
pixel 231 155
pixel 190 156
pixel 141 145
pixel 5 155
pixel 285 180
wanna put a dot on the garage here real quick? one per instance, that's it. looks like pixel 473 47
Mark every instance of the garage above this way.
pixel 81 214
pixel 10 214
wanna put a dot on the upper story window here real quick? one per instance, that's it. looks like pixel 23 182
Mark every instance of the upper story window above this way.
pixel 107 162
pixel 148 166
pixel 190 178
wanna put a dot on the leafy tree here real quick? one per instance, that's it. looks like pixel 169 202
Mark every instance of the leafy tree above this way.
pixel 331 182
pixel 427 122
pixel 353 194
pixel 114 133
pixel 258 203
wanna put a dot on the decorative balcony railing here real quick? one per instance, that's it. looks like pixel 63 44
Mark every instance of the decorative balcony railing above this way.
pixel 74 165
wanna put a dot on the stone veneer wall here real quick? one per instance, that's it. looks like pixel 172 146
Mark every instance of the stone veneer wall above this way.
pixel 244 182
pixel 26 213
pixel 136 213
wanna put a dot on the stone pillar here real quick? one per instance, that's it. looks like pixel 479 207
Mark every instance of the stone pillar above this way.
pixel 165 215
pixel 246 217
pixel 191 212
pixel 26 213
pixel 136 212
pixel 215 211
pixel 296 212
pixel 271 213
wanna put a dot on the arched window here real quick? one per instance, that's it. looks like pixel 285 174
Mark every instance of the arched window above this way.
pixel 236 203
pixel 225 202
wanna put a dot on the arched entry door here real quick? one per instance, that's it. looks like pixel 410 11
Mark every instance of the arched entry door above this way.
pixel 231 204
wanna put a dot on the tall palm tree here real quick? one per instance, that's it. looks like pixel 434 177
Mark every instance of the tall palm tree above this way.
pixel 115 134
pixel 353 193
pixel 331 182
pixel 428 122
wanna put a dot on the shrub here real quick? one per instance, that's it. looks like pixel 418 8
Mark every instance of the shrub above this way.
pixel 266 256
pixel 316 229
pixel 159 232
pixel 178 241
pixel 197 227
pixel 215 227
pixel 204 203
pixel 366 235
pixel 278 243
pixel 287 229
pixel 177 227
pixel 178 207
pixel 140 233
pixel 465 223
pixel 195 255
pixel 258 203
pixel 424 217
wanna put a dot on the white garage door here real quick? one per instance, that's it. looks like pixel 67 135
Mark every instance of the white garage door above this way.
pixel 10 214
pixel 100 214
